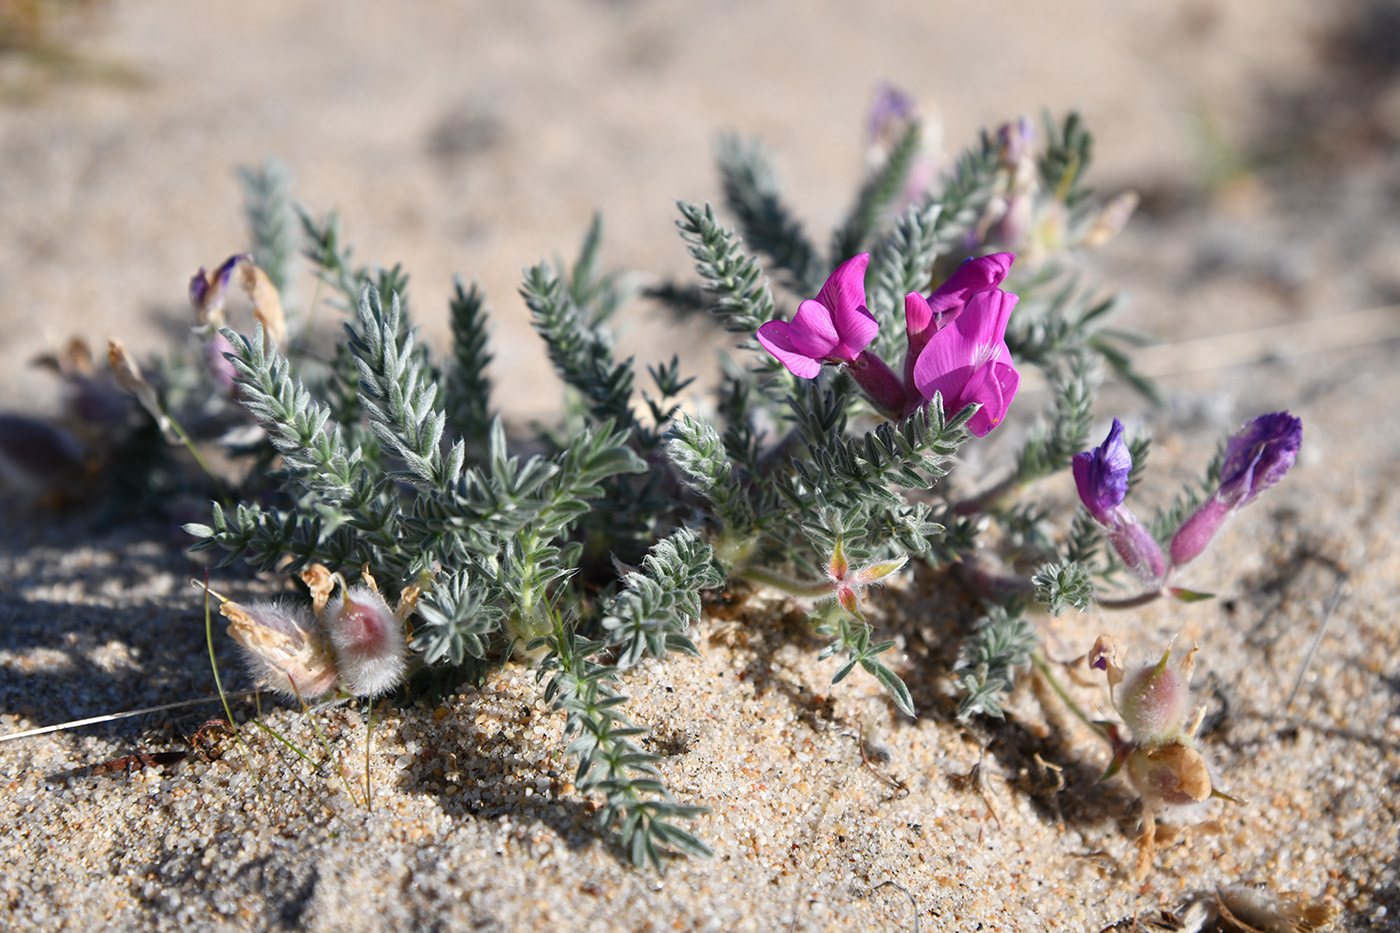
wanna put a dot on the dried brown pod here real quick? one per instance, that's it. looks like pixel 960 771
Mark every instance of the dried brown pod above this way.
pixel 285 650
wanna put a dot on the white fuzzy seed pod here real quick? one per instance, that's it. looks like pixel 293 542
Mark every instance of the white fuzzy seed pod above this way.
pixel 283 648
pixel 368 639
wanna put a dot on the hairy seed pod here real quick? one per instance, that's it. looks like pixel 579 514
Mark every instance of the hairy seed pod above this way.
pixel 284 649
pixel 368 638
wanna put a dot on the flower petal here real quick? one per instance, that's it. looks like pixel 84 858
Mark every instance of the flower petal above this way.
pixel 812 332
pixel 984 388
pixel 776 339
pixel 944 366
pixel 857 327
pixel 918 317
pixel 845 288
pixel 983 322
pixel 1258 456
pixel 974 275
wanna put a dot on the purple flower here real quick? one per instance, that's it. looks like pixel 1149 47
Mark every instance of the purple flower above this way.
pixel 833 328
pixel 37 457
pixel 1102 475
pixel 891 110
pixel 1256 457
pixel 925 317
pixel 966 360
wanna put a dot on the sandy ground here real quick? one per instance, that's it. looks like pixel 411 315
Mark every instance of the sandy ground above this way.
pixel 476 138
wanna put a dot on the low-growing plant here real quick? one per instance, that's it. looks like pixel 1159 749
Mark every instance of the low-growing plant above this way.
pixel 815 470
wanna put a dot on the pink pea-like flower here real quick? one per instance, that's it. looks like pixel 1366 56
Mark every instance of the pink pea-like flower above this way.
pixel 926 317
pixel 832 328
pixel 967 360
pixel 368 638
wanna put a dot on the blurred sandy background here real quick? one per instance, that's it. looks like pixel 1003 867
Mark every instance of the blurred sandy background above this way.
pixel 475 138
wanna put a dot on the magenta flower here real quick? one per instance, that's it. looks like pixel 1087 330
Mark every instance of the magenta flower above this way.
pixel 832 328
pixel 926 317
pixel 966 359
pixel 1256 457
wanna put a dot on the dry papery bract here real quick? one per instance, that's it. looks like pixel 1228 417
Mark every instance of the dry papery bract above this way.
pixel 1240 908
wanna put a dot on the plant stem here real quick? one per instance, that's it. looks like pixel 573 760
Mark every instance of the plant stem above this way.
pixel 789 586
pixel 1131 602
pixel 988 498
pixel 179 430
pixel 1043 666
pixel 982 581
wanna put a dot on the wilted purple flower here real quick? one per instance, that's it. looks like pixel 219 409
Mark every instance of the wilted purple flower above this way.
pixel 37 457
pixel 1102 477
pixel 967 360
pixel 1017 141
pixel 1169 773
pixel 207 291
pixel 833 328
pixel 1256 457
pixel 892 112
pixel 1013 211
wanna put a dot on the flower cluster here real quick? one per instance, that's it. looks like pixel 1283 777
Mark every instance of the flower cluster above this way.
pixel 352 638
pixel 1256 457
pixel 956 345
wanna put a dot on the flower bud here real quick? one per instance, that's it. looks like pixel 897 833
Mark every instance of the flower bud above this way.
pixel 284 649
pixel 1155 700
pixel 221 372
pixel 368 639
pixel 1256 457
pixel 1101 475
